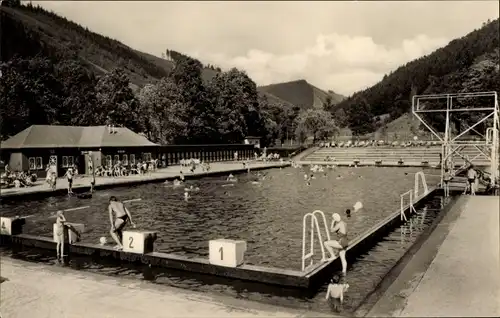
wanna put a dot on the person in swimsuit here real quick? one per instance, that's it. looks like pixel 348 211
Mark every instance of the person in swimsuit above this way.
pixel 471 181
pixel 446 181
pixel 122 217
pixel 338 226
pixel 335 293
pixel 61 223
pixel 69 176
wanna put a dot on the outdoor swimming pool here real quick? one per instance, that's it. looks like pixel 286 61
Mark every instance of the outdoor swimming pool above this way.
pixel 268 215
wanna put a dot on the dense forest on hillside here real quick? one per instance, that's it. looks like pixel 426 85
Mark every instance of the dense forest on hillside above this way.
pixel 27 29
pixel 50 77
pixel 447 70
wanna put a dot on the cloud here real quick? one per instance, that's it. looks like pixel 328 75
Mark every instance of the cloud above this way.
pixel 339 45
pixel 342 63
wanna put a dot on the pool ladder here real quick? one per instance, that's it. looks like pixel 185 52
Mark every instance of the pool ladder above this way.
pixel 314 228
pixel 413 194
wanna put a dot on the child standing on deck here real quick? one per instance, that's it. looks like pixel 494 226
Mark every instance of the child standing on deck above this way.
pixel 335 293
pixel 60 224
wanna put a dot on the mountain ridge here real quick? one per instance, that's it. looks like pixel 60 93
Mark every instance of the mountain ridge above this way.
pixel 301 93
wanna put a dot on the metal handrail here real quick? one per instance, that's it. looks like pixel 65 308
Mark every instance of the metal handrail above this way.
pixel 314 225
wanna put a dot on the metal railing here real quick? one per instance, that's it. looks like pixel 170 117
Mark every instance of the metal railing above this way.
pixel 314 228
pixel 413 194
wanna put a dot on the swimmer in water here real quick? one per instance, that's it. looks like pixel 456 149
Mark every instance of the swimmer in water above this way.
pixel 177 183
pixel 121 218
pixel 338 226
pixel 348 213
pixel 339 177
pixel 186 195
pixel 231 178
pixel 335 293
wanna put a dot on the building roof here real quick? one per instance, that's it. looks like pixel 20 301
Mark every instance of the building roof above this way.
pixel 49 136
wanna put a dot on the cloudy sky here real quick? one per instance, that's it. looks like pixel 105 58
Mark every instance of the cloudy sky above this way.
pixel 343 46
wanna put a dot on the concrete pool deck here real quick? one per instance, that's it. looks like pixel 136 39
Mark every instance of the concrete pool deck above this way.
pixel 39 291
pixel 171 172
pixel 456 272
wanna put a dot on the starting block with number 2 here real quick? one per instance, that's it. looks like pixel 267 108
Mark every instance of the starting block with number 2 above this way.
pixel 140 242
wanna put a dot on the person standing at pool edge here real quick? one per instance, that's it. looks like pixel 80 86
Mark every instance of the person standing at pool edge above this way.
pixel 338 226
pixel 122 217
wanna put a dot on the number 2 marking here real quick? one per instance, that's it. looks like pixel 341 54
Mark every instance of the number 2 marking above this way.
pixel 131 240
pixel 221 251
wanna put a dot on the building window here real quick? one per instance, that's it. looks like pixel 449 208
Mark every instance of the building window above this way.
pixel 132 159
pixel 146 156
pixel 109 161
pixel 67 161
pixel 32 164
pixel 116 159
pixel 35 163
pixel 125 160
pixel 39 163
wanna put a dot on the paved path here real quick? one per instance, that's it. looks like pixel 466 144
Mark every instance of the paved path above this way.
pixel 169 172
pixel 39 291
pixel 463 279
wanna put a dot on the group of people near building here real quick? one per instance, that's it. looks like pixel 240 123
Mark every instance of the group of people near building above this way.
pixel 19 179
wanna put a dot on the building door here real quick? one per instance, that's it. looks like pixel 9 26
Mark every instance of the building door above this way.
pixel 53 164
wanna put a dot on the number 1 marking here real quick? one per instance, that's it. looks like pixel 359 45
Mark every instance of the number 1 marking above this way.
pixel 221 251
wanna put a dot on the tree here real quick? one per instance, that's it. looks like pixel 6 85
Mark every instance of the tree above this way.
pixel 316 123
pixel 270 129
pixel 340 117
pixel 116 102
pixel 163 112
pixel 78 94
pixel 328 104
pixel 236 106
pixel 198 112
pixel 29 94
pixel 360 118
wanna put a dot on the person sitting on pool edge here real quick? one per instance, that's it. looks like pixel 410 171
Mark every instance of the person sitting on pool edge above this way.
pixel 338 226
pixel 122 217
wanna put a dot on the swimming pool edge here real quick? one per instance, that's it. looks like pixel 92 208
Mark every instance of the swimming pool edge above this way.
pixel 116 183
pixel 309 280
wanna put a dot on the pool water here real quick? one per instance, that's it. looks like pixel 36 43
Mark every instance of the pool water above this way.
pixel 363 276
pixel 265 209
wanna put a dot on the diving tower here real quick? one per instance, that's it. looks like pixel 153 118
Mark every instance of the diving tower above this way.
pixel 481 132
